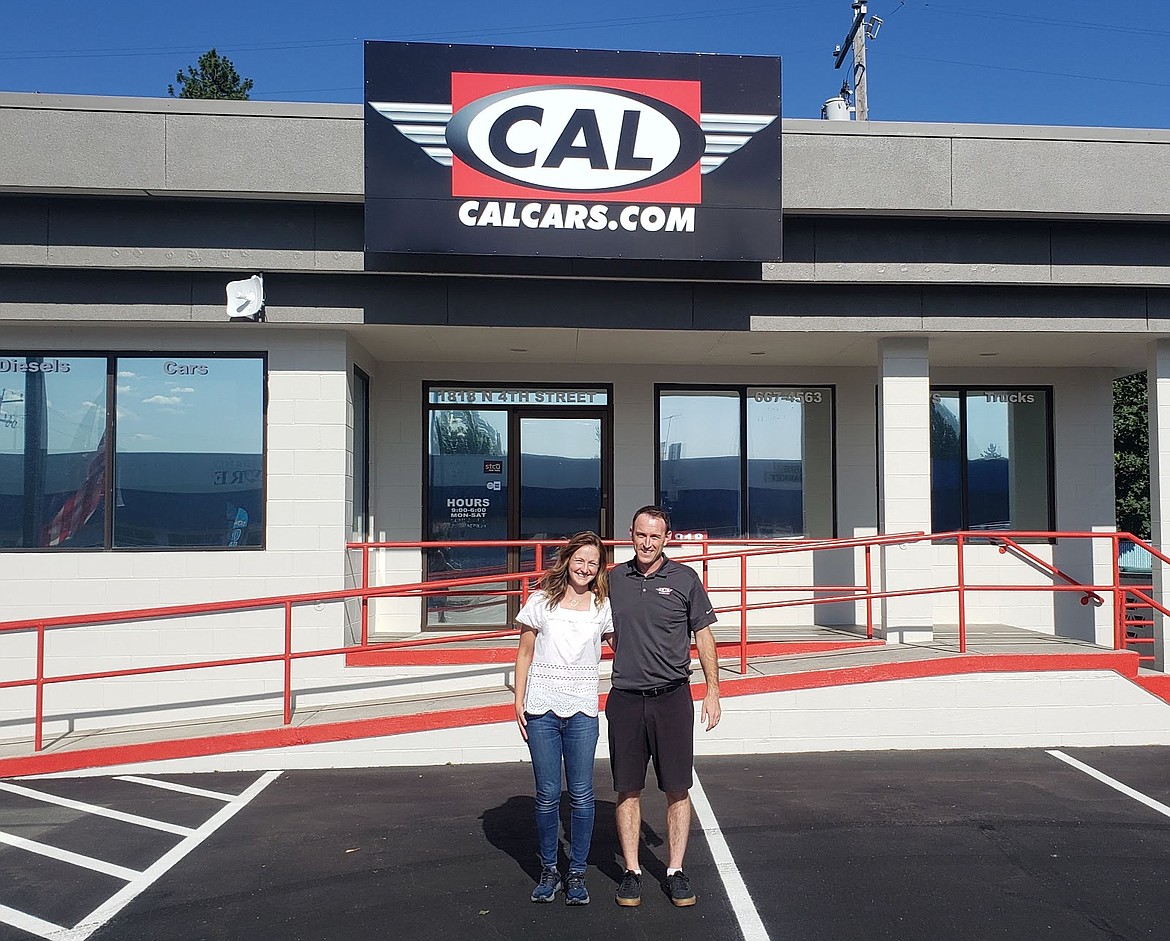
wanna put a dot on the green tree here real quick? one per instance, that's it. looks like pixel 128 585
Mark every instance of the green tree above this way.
pixel 1131 454
pixel 213 77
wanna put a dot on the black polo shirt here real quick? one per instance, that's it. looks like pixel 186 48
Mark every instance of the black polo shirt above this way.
pixel 654 617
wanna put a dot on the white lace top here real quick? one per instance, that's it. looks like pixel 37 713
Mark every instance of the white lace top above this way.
pixel 563 675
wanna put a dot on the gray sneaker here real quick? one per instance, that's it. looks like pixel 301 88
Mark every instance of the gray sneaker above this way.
pixel 548 886
pixel 575 891
pixel 629 893
pixel 678 887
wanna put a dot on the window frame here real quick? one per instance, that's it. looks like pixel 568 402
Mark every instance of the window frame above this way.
pixel 741 389
pixel 110 435
pixel 965 389
pixel 510 409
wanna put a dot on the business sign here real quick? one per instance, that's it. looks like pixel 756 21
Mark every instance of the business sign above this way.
pixel 486 150
pixel 510 395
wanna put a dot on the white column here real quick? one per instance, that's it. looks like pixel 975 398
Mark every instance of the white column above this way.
pixel 1158 380
pixel 1102 614
pixel 904 468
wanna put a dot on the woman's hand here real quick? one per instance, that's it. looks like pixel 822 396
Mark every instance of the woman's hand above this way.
pixel 524 651
pixel 522 719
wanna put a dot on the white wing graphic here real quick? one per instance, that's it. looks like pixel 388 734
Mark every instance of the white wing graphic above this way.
pixel 425 124
pixel 726 133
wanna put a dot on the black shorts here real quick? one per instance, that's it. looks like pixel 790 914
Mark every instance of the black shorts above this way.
pixel 645 727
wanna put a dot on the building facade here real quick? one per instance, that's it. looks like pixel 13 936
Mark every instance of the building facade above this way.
pixel 934 352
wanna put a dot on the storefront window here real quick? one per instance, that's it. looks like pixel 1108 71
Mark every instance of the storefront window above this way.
pixel 946 462
pixel 790 462
pixel 468 502
pixel 991 461
pixel 699 461
pixel 189 462
pixel 785 485
pixel 52 451
pixel 185 441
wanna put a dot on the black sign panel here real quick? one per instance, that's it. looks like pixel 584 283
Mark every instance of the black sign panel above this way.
pixel 487 150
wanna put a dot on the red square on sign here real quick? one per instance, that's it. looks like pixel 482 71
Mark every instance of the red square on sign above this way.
pixel 582 166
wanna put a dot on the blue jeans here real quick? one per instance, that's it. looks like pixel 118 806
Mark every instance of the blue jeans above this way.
pixel 573 741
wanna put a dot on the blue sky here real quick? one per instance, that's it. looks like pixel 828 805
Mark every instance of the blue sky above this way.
pixel 982 61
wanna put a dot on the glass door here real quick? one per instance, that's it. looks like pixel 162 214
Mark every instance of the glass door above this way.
pixel 493 474
pixel 561 479
pixel 467 503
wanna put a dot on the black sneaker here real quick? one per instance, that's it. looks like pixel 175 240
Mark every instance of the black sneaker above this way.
pixel 575 891
pixel 678 887
pixel 548 886
pixel 629 893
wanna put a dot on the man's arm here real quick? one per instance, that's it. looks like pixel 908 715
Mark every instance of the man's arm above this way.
pixel 709 660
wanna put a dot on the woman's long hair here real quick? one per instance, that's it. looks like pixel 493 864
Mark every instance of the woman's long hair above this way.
pixel 555 582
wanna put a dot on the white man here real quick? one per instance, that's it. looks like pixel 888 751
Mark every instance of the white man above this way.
pixel 658 606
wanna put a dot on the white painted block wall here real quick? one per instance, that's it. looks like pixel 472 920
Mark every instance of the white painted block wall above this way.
pixel 309 512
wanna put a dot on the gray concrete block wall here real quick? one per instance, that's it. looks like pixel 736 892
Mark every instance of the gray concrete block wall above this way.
pixel 310 151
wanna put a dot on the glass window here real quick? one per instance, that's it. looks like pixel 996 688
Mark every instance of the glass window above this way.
pixel 189 461
pixel 361 455
pixel 790 463
pixel 946 462
pixel 467 494
pixel 699 461
pixel 52 451
pixel 785 486
pixel 991 459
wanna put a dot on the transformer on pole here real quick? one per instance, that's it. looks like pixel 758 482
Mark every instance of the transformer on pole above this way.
pixel 838 108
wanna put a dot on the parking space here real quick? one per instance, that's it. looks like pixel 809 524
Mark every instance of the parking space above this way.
pixel 957 845
pixel 77 851
pixel 893 845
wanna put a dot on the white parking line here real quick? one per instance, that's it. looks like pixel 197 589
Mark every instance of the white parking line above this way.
pixel 180 788
pixel 750 924
pixel 104 912
pixel 31 924
pixel 75 859
pixel 96 810
pixel 136 882
pixel 1112 782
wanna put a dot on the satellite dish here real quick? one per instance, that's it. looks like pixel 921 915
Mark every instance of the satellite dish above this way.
pixel 245 299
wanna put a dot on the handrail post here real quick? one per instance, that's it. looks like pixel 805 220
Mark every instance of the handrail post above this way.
pixel 962 593
pixel 287 662
pixel 706 548
pixel 38 728
pixel 365 596
pixel 743 615
pixel 1119 597
pixel 868 591
pixel 537 565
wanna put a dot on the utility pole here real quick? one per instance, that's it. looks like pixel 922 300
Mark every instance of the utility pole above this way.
pixel 860 93
pixel 855 40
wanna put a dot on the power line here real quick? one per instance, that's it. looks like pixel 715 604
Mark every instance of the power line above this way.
pixel 1010 68
pixel 612 23
pixel 1047 21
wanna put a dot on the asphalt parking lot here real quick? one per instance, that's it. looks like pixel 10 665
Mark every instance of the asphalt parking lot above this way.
pixel 956 845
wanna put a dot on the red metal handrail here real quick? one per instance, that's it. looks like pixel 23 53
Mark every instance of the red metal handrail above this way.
pixel 497 585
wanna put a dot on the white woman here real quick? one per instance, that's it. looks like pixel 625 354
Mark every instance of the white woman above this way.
pixel 561 628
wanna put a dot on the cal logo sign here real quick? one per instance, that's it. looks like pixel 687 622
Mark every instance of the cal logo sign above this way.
pixel 543 152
